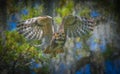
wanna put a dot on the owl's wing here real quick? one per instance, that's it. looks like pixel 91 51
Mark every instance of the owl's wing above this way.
pixel 75 26
pixel 36 28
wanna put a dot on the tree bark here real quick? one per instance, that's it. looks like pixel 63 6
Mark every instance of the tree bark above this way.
pixel 3 19
pixel 49 6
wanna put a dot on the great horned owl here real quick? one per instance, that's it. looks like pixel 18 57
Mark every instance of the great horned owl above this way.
pixel 43 28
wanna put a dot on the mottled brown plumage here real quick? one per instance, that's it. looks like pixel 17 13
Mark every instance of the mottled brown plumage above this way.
pixel 42 28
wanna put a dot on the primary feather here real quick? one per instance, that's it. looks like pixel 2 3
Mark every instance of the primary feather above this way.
pixel 37 28
pixel 75 26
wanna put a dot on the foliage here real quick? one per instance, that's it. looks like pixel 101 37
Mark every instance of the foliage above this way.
pixel 33 12
pixel 58 20
pixel 17 52
pixel 63 11
pixel 85 12
pixel 66 10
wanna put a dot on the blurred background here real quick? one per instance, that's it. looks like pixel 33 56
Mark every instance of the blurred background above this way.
pixel 97 53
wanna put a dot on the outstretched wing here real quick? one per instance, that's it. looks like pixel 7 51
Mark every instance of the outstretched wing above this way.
pixel 75 26
pixel 37 28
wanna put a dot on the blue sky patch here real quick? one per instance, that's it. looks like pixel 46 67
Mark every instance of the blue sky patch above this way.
pixel 24 11
pixel 102 47
pixel 12 25
pixel 78 45
pixel 84 70
pixel 94 14
pixel 109 68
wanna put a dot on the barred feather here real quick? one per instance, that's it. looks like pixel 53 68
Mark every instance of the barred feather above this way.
pixel 75 26
pixel 36 28
pixel 43 27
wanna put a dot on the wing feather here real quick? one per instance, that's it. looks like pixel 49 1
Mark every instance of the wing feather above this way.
pixel 75 26
pixel 36 28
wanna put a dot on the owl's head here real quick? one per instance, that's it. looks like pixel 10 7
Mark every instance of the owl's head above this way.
pixel 59 38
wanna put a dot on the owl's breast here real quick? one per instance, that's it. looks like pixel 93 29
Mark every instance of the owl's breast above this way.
pixel 57 43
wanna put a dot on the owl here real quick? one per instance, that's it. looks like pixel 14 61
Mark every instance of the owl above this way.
pixel 43 28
